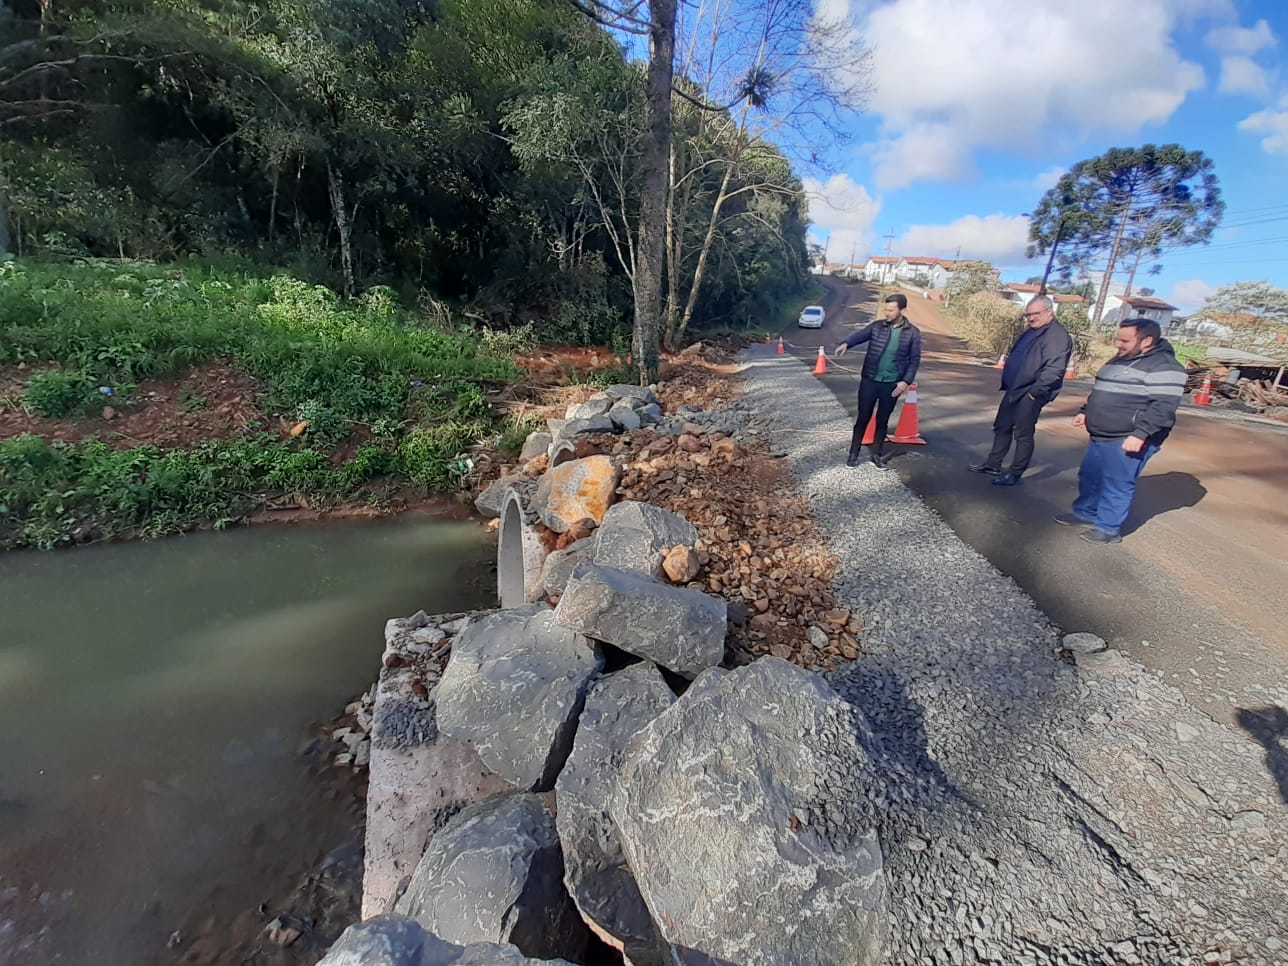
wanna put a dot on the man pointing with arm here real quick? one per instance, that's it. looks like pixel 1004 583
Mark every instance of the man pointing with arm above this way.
pixel 889 368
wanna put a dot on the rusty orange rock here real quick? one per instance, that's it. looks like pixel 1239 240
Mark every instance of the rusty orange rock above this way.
pixel 680 564
pixel 577 492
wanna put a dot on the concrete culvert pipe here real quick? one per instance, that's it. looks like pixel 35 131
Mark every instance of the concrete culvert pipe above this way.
pixel 561 451
pixel 519 554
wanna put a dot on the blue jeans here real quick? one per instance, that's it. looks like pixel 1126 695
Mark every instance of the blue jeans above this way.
pixel 1107 482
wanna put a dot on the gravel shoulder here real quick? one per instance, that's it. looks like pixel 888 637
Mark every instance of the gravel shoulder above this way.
pixel 1031 810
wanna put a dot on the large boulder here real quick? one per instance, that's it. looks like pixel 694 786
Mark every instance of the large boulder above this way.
pixel 577 491
pixel 636 536
pixel 401 941
pixel 535 445
pixel 586 424
pixel 741 813
pixel 632 395
pixel 597 405
pixel 595 869
pixel 494 874
pixel 513 689
pixel 625 419
pixel 559 566
pixel 683 630
pixel 491 501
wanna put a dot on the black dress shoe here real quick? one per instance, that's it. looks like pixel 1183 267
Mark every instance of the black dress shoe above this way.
pixel 983 468
pixel 1006 479
pixel 854 459
pixel 880 462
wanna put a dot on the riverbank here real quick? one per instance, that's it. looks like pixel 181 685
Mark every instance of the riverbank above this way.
pixel 138 400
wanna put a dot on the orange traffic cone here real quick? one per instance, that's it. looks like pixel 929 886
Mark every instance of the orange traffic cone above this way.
pixel 1071 371
pixel 1204 396
pixel 909 429
pixel 1001 361
pixel 780 345
pixel 871 432
pixel 820 367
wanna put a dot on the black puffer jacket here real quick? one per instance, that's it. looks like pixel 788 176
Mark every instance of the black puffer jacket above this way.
pixel 1137 396
pixel 1040 371
pixel 907 357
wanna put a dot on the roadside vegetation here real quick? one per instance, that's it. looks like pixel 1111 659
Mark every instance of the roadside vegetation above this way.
pixel 353 392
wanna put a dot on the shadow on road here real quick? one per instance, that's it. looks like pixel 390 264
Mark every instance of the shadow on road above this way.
pixel 1269 726
pixel 1156 495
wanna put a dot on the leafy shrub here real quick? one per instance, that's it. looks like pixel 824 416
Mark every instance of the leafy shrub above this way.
pixel 431 456
pixel 59 393
pixel 989 322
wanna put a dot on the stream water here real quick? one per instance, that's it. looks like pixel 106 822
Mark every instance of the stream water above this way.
pixel 153 702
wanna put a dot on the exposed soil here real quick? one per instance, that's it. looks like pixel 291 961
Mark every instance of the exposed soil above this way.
pixel 211 401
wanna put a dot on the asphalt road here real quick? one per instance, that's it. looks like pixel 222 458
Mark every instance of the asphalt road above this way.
pixel 1197 590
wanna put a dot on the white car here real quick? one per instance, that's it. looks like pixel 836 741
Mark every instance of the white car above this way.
pixel 811 317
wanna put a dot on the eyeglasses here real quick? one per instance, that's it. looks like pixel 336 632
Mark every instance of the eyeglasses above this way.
pixel 1035 315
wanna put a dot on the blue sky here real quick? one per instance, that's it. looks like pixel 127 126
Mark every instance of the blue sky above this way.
pixel 978 105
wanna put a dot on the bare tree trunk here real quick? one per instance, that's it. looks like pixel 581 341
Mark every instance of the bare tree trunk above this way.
pixel 1113 260
pixel 335 185
pixel 674 255
pixel 272 208
pixel 5 240
pixel 707 240
pixel 646 337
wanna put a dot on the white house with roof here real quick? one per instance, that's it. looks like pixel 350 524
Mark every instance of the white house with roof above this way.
pixel 880 269
pixel 910 268
pixel 1021 293
pixel 1121 307
pixel 941 273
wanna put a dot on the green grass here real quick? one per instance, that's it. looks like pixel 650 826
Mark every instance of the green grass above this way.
pixel 1187 352
pixel 416 390
pixel 783 316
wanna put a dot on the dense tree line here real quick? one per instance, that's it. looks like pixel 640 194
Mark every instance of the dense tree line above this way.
pixel 479 152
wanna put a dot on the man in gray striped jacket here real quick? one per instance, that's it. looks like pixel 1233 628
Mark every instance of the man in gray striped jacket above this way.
pixel 1129 414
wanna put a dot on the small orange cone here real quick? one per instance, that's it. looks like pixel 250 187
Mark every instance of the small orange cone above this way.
pixel 871 433
pixel 909 429
pixel 1201 398
pixel 820 367
pixel 1001 361
pixel 780 345
pixel 1071 372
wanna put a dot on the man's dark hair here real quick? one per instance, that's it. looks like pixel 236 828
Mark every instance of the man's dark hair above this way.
pixel 899 299
pixel 1144 327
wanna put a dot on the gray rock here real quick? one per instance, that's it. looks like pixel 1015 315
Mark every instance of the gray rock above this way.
pixel 494 874
pixel 1185 732
pixel 597 405
pixel 491 501
pixel 651 414
pixel 1105 663
pixel 625 418
pixel 535 445
pixel 400 941
pixel 635 536
pixel 556 426
pixel 1083 643
pixel 633 394
pixel 1248 819
pixel 558 568
pixel 817 636
pixel 513 689
pixel 709 807
pixel 683 630
pixel 594 424
pixel 595 869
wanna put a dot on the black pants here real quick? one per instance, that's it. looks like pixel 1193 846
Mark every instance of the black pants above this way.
pixel 878 397
pixel 1016 419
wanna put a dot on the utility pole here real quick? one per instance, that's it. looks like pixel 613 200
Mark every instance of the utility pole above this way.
pixel 854 250
pixel 889 243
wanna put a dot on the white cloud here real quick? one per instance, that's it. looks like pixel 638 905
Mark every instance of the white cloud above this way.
pixel 949 80
pixel 1242 40
pixel 1048 179
pixel 1273 123
pixel 1243 75
pixel 1000 239
pixel 844 212
pixel 1190 293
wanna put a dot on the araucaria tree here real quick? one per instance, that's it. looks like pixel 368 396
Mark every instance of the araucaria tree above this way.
pixel 1128 205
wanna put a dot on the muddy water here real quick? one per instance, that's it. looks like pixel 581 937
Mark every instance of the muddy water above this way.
pixel 153 702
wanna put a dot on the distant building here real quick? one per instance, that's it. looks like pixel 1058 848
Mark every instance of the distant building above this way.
pixel 1021 293
pixel 1119 308
pixel 880 269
